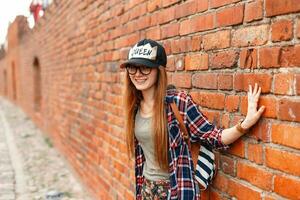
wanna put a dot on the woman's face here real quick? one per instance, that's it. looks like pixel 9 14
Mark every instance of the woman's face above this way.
pixel 143 78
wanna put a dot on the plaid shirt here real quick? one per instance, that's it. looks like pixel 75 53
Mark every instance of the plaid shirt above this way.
pixel 181 167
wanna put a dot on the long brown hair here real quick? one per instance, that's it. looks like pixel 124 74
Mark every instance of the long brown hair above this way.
pixel 133 98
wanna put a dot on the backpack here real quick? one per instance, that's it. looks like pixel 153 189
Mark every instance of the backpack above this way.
pixel 204 160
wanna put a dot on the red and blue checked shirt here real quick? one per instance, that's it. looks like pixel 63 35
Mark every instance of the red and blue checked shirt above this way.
pixel 181 167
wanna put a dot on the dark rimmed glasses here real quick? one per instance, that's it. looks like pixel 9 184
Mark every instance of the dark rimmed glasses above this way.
pixel 143 69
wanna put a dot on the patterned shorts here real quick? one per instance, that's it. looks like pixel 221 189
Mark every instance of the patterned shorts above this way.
pixel 155 190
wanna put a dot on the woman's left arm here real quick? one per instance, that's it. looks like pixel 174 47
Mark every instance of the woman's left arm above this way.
pixel 229 135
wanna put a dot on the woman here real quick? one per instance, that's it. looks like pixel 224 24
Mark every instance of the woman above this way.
pixel 163 165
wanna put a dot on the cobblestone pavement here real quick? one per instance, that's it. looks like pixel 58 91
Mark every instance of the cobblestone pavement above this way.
pixel 30 168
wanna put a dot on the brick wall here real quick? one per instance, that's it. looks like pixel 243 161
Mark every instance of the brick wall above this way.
pixel 215 49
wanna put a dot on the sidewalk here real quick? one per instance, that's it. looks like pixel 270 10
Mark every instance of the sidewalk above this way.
pixel 30 168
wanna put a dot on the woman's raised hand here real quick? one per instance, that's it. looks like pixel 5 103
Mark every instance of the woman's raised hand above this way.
pixel 253 114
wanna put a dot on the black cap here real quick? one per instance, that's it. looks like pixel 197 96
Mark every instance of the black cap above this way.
pixel 147 52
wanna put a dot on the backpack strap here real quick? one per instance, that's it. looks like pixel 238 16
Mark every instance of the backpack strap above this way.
pixel 182 127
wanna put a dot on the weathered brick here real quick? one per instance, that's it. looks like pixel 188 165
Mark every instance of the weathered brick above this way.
pixel 210 42
pixel 232 103
pixel 225 82
pixel 282 30
pixel 154 33
pixel 223 59
pixel 255 153
pixel 275 7
pixel 289 109
pixel 242 81
pixel 186 9
pixel 166 3
pixel 202 5
pixel 290 56
pixel 248 59
pixel 153 5
pixel 227 165
pixel 287 135
pixel 210 100
pixel 298 28
pixel 169 30
pixel 250 36
pixel 182 80
pixel 254 11
pixel 196 24
pixel 237 148
pixel 230 16
pixel 297 78
pixel 269 57
pixel 205 80
pixel 283 83
pixel 196 61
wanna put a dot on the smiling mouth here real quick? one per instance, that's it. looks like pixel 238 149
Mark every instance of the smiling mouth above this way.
pixel 140 80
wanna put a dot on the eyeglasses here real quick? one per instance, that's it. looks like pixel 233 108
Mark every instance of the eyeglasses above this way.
pixel 143 70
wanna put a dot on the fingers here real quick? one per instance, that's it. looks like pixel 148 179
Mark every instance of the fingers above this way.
pixel 250 89
pixel 258 93
pixel 255 89
pixel 261 110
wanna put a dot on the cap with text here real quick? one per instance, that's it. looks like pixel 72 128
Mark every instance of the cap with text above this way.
pixel 148 53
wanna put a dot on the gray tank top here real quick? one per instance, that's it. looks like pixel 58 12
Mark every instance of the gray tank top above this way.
pixel 143 133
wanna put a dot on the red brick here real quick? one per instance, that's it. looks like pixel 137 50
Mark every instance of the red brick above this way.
pixel 290 56
pixel 282 30
pixel 271 106
pixel 248 59
pixel 197 24
pixel 166 15
pixel 287 187
pixel 215 195
pixel 297 78
pixel 242 192
pixel 227 165
pixel 153 33
pixel 298 28
pixel 209 100
pixel 253 11
pixel 196 61
pixel 250 36
pixel 283 83
pixel 138 11
pixel 230 16
pixel 166 3
pixel 169 30
pixel 153 5
pixel 256 176
pixel 171 64
pixel 225 82
pixel 287 135
pixel 219 3
pixel 261 131
pixel 182 80
pixel 242 81
pixel 225 121
pixel 283 161
pixel 210 42
pixel 275 7
pixel 186 9
pixel 196 43
pixel 202 5
pixel 232 103
pixel 221 182
pixel 205 80
pixel 289 110
pixel 223 59
pixel 269 57
pixel 237 148
pixel 255 153
pixel 212 116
